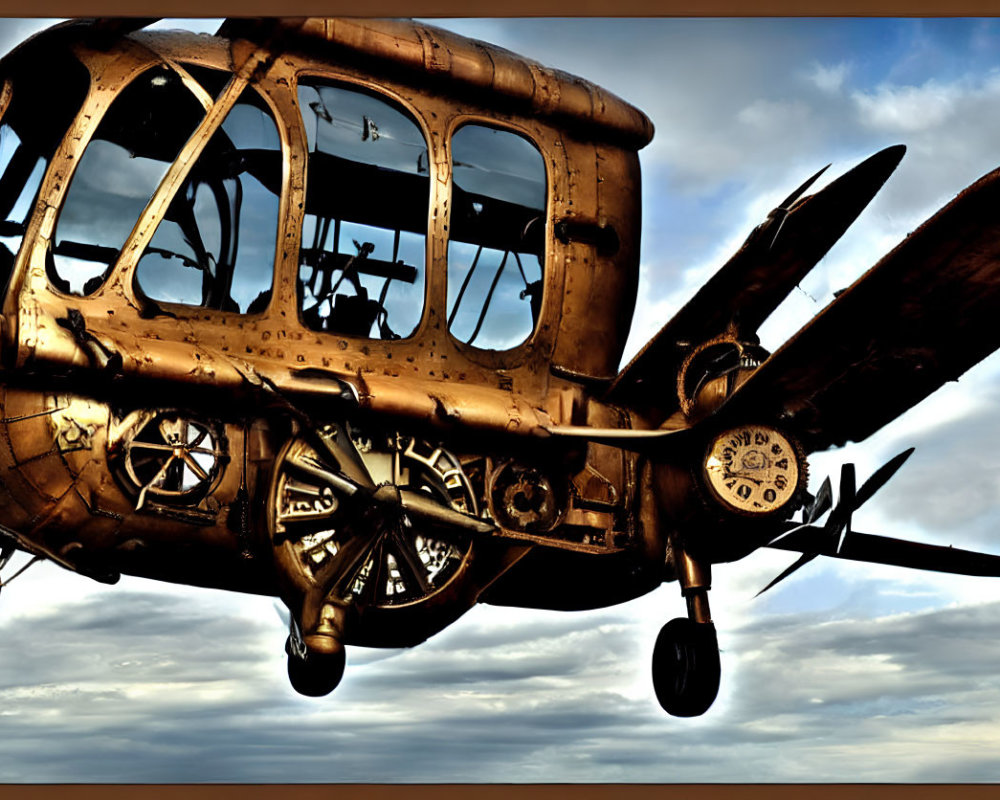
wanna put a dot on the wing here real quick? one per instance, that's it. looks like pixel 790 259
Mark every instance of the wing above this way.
pixel 777 255
pixel 922 316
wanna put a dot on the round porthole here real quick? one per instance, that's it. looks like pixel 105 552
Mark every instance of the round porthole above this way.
pixel 167 457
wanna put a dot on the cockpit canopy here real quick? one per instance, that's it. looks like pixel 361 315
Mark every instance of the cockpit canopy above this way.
pixel 392 209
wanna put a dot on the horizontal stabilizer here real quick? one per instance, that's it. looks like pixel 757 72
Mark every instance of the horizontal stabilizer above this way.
pixel 874 549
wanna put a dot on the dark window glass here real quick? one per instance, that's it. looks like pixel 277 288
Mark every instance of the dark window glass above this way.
pixel 215 246
pixel 364 237
pixel 212 81
pixel 139 137
pixel 41 109
pixel 497 237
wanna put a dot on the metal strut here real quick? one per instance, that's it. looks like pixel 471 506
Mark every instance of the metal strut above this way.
pixel 5 557
pixel 696 579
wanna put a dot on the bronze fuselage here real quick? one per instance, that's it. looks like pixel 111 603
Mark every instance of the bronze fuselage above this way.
pixel 83 374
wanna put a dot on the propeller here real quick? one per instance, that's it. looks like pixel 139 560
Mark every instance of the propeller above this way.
pixel 820 504
pixel 283 613
pixel 838 524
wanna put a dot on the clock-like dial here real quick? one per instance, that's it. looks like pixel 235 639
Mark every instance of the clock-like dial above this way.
pixel 753 469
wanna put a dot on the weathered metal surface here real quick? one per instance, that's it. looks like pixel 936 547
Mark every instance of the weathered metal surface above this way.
pixel 177 488
pixel 208 347
pixel 440 57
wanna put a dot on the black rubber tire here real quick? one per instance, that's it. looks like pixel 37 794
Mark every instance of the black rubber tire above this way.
pixel 686 667
pixel 316 675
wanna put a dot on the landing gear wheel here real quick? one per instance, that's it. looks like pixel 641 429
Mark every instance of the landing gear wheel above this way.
pixel 314 674
pixel 686 668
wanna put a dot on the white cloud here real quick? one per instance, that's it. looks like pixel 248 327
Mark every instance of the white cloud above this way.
pixel 829 79
pixel 769 116
pixel 904 109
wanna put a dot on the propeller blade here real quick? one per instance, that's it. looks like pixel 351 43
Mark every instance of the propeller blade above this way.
pixel 776 219
pixel 6 551
pixel 34 560
pixel 920 317
pixel 881 476
pixel 425 509
pixel 804 559
pixel 848 485
pixel 752 283
pixel 812 541
pixel 780 214
pixel 283 613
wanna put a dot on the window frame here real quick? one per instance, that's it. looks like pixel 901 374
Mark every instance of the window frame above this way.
pixel 121 278
pixel 40 221
pixel 115 272
pixel 125 270
pixel 128 272
pixel 6 284
pixel 275 335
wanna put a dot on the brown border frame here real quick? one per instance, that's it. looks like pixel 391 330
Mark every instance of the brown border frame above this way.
pixel 511 8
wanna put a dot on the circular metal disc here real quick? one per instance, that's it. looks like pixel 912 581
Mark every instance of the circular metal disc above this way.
pixel 753 469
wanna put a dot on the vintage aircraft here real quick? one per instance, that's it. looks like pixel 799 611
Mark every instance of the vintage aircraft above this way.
pixel 332 309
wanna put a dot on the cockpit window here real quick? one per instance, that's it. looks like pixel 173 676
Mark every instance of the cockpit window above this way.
pixel 21 172
pixel 361 262
pixel 215 246
pixel 30 131
pixel 138 138
pixel 497 237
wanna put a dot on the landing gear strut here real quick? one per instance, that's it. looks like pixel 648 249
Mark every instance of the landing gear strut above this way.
pixel 686 668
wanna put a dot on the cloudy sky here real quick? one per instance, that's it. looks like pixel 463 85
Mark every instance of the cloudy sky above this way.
pixel 843 673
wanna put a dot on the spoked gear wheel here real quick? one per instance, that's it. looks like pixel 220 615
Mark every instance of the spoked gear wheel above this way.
pixel 360 521
pixel 168 457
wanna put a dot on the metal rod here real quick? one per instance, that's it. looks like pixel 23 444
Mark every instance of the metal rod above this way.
pixel 695 578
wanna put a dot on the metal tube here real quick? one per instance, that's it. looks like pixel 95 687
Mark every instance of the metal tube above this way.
pixel 693 575
pixel 696 579
pixel 697 606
